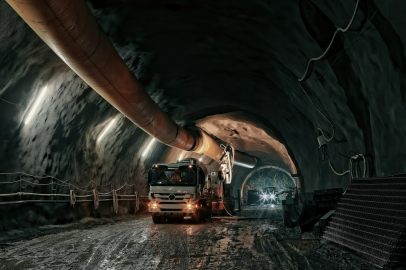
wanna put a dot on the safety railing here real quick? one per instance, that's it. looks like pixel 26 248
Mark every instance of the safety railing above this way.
pixel 91 194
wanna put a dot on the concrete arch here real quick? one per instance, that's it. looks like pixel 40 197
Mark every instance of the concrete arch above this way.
pixel 262 168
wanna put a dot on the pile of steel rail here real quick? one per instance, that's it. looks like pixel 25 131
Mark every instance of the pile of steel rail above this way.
pixel 370 219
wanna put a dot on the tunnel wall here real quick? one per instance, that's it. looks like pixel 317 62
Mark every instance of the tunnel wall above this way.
pixel 61 139
pixel 193 56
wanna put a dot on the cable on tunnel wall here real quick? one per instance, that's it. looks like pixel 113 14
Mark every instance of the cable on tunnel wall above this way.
pixel 355 160
pixel 367 161
pixel 332 167
pixel 321 57
pixel 333 134
pixel 302 79
pixel 359 37
pixel 331 43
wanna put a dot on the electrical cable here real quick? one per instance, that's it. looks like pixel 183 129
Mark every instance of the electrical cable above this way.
pixel 35 184
pixel 367 169
pixel 367 161
pixel 225 208
pixel 333 134
pixel 325 52
pixel 10 182
pixel 331 42
pixel 25 174
pixel 332 167
pixel 359 37
pixel 63 181
pixel 107 193
pixel 9 102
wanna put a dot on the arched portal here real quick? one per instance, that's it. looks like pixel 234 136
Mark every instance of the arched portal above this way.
pixel 263 168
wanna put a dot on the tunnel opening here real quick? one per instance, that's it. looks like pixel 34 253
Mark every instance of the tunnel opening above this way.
pixel 263 178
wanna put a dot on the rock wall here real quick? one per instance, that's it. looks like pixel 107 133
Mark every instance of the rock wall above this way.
pixel 204 58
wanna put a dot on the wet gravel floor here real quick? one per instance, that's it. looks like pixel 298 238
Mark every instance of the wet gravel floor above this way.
pixel 134 242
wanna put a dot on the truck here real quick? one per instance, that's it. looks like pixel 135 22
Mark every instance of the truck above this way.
pixel 183 190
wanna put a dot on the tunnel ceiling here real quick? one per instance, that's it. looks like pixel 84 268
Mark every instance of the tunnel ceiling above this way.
pixel 249 136
pixel 206 59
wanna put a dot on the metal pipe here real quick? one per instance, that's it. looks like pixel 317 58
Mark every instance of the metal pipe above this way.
pixel 70 30
pixel 244 160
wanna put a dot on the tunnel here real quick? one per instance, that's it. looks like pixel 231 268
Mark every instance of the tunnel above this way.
pixel 183 134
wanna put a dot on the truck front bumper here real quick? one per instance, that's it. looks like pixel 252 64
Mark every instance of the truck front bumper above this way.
pixel 163 209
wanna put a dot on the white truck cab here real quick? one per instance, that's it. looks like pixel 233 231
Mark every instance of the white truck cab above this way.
pixel 179 190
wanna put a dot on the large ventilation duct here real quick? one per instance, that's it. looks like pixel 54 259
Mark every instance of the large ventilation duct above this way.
pixel 70 30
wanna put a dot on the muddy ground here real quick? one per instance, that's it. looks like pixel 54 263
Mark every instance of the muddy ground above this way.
pixel 255 240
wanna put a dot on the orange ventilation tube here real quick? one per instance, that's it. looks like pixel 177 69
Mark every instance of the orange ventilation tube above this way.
pixel 70 30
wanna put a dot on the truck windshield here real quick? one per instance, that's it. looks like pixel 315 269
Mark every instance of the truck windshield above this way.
pixel 182 176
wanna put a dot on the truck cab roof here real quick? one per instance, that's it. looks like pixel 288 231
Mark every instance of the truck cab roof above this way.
pixel 184 162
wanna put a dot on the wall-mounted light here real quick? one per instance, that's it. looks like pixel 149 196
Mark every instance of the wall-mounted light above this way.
pixel 109 126
pixel 200 158
pixel 181 156
pixel 148 147
pixel 36 104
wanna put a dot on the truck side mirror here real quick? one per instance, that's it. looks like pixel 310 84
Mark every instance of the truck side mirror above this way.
pixel 149 176
pixel 200 176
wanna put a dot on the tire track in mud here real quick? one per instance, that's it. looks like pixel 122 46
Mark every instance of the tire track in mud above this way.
pixel 103 252
pixel 139 244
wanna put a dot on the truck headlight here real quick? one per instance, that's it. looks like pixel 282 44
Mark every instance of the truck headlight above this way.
pixel 189 206
pixel 154 205
pixel 272 196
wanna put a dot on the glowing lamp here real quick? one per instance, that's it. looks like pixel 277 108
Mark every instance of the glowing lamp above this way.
pixel 109 126
pixel 148 147
pixel 36 104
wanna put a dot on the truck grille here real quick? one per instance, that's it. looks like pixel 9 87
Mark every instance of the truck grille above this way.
pixel 172 210
pixel 165 196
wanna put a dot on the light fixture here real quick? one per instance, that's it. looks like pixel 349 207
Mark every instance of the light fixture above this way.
pixel 109 126
pixel 181 156
pixel 148 147
pixel 36 104
pixel 200 158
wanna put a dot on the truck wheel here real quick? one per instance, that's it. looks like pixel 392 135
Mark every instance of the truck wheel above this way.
pixel 175 219
pixel 197 218
pixel 156 219
pixel 179 220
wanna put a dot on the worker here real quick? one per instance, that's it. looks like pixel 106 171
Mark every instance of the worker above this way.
pixel 176 176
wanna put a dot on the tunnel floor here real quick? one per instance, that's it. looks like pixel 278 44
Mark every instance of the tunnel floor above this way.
pixel 256 239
